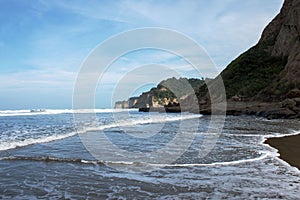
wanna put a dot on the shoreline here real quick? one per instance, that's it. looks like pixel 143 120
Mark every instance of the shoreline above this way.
pixel 288 148
pixel 268 110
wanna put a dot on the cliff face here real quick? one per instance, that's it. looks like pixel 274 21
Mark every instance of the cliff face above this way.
pixel 270 69
pixel 283 35
pixel 130 103
pixel 121 104
pixel 265 80
pixel 167 93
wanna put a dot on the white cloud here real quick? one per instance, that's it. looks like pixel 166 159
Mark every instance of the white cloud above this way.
pixel 225 28
pixel 37 79
pixel 109 11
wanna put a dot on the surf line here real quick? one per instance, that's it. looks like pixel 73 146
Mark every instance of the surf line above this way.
pixel 16 144
pixel 275 152
pixel 78 160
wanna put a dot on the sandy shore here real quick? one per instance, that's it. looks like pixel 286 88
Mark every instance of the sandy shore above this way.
pixel 289 148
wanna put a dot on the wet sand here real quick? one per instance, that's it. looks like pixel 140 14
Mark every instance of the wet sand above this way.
pixel 289 148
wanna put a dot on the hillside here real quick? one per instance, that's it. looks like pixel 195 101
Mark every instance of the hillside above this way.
pixel 167 92
pixel 270 69
pixel 265 80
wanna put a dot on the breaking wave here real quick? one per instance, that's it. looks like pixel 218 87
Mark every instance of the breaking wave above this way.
pixel 7 113
pixel 5 145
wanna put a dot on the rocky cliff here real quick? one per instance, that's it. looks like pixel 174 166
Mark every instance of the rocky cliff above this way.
pixel 283 32
pixel 167 94
pixel 265 80
pixel 270 69
pixel 125 104
pixel 283 37
pixel 121 104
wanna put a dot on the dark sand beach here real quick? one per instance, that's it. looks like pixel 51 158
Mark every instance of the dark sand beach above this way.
pixel 288 147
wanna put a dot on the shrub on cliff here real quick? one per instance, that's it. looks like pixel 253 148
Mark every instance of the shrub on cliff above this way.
pixel 252 71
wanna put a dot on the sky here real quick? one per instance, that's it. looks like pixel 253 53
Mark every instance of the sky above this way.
pixel 44 43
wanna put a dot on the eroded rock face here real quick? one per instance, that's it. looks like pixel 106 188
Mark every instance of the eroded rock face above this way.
pixel 283 36
pixel 289 103
pixel 294 93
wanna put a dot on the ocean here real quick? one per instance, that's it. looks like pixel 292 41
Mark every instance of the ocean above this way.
pixel 53 154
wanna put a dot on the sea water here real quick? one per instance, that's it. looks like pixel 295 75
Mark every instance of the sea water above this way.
pixel 42 156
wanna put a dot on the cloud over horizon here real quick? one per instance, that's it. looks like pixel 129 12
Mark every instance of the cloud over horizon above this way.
pixel 43 43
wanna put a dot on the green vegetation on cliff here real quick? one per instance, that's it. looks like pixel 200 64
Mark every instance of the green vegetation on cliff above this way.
pixel 252 71
pixel 173 88
pixel 167 91
pixel 181 86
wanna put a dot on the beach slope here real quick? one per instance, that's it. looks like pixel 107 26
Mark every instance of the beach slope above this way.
pixel 288 147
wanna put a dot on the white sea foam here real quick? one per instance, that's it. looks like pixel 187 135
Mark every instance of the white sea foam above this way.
pixel 235 162
pixel 30 141
pixel 5 113
pixel 277 135
pixel 130 122
pixel 133 122
pixel 243 135
pixel 274 152
pixel 263 156
pixel 282 135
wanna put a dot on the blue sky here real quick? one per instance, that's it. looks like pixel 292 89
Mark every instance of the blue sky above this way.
pixel 43 43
